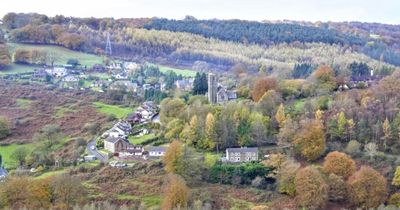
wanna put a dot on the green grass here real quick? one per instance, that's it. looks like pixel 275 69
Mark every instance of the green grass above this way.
pixel 17 69
pixel 126 197
pixel 152 200
pixel 103 76
pixel 183 72
pixel 118 111
pixel 139 140
pixel 60 53
pixel 61 111
pixel 51 173
pixel 6 151
pixel 24 103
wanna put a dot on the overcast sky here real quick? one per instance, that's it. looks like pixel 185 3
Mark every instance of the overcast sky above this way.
pixel 384 11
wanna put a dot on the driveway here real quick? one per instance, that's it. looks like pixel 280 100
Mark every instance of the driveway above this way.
pixel 94 151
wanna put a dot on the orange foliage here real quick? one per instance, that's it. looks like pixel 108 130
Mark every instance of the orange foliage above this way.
pixel 310 141
pixel 176 194
pixel 340 164
pixel 172 156
pixel 311 189
pixel 262 86
pixel 367 188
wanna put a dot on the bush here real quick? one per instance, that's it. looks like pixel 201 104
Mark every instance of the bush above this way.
pixel 340 164
pixel 241 174
pixel 395 200
pixel 353 148
pixel 5 127
pixel 311 189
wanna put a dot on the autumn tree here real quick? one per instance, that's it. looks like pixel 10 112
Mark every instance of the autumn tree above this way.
pixel 171 108
pixel 40 194
pixel 387 132
pixel 243 125
pixel 286 176
pixel 67 191
pixel 194 134
pixel 173 129
pixel 172 156
pixel 5 127
pixel 337 188
pixel 210 140
pixel 340 164
pixel 396 178
pixel 260 128
pixel 22 56
pixel 367 188
pixel 176 193
pixel 325 77
pixel 262 86
pixel 310 141
pixel 5 58
pixel 14 192
pixel 280 116
pixel 311 189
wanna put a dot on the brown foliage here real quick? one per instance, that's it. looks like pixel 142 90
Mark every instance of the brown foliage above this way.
pixel 172 156
pixel 176 194
pixel 40 194
pixel 14 192
pixel 262 86
pixel 340 164
pixel 310 141
pixel 311 189
pixel 5 58
pixel 337 188
pixel 367 188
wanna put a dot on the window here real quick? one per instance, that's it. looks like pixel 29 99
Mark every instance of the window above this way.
pixel 238 159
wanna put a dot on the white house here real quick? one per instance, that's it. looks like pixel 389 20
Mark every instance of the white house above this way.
pixel 243 154
pixel 131 65
pixel 120 129
pixel 57 71
pixel 157 151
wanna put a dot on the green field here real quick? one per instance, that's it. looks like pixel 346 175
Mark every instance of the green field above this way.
pixel 139 140
pixel 6 152
pixel 183 72
pixel 60 54
pixel 51 173
pixel 16 69
pixel 118 111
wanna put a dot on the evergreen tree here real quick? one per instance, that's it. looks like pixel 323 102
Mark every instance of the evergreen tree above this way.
pixel 200 85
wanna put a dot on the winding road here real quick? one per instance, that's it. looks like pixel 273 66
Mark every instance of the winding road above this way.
pixel 94 151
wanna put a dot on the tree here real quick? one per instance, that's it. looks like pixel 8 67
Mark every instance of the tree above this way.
pixel 171 108
pixel 310 141
pixel 262 86
pixel 14 192
pixel 311 189
pixel 325 78
pixel 190 165
pixel 73 62
pixel 387 132
pixel 353 147
pixel 200 84
pixel 40 194
pixel 367 188
pixel 210 140
pixel 243 125
pixel 260 126
pixel 341 125
pixel 371 149
pixel 339 164
pixel 396 178
pixel 5 58
pixel 5 127
pixel 173 156
pixel 67 191
pixel 359 69
pixel 280 116
pixel 20 154
pixel 337 188
pixel 22 56
pixel 286 176
pixel 176 193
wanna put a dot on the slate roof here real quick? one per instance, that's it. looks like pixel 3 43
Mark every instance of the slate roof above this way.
pixel 157 149
pixel 243 149
pixel 113 139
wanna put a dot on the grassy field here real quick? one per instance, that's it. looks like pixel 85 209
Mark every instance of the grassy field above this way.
pixel 60 53
pixel 51 173
pixel 6 152
pixel 183 72
pixel 119 112
pixel 139 140
pixel 16 69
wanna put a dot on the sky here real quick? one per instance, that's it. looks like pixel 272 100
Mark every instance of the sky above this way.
pixel 382 11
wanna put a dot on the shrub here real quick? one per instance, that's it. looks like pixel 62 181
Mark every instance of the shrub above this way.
pixel 367 188
pixel 395 200
pixel 238 174
pixel 311 189
pixel 340 164
pixel 353 148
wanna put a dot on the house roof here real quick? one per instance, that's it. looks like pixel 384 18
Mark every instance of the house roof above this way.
pixel 113 139
pixel 243 149
pixel 157 149
pixel 3 172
